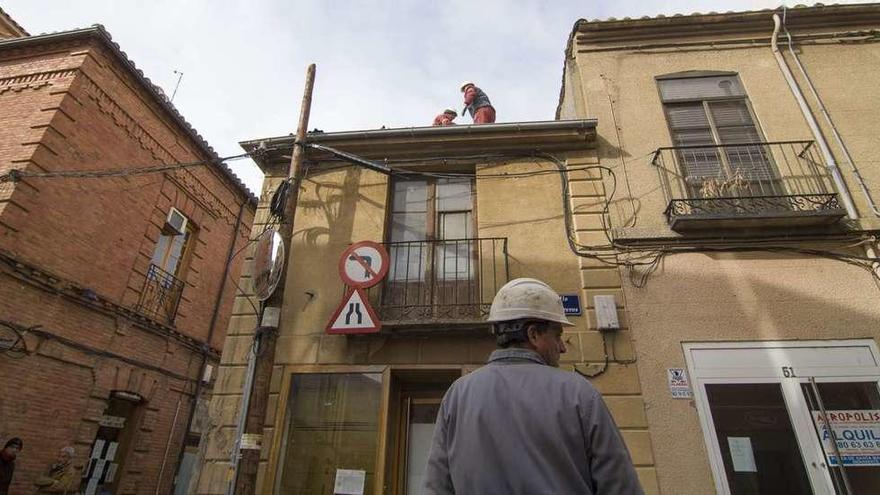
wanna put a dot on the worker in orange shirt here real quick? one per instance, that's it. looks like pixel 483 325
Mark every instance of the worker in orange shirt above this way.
pixel 445 118
pixel 477 103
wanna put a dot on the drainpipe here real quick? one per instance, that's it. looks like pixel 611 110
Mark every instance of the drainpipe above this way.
pixel 827 117
pixel 167 447
pixel 830 162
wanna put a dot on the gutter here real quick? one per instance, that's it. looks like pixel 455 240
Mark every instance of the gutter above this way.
pixel 830 162
pixel 425 132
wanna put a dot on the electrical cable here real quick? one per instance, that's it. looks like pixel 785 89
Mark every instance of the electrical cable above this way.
pixel 15 174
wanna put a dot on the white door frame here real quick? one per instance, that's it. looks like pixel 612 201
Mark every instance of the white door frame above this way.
pixel 774 365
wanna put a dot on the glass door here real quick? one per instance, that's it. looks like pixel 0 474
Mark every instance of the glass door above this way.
pixel 845 416
pixel 420 420
pixel 756 439
pixel 779 416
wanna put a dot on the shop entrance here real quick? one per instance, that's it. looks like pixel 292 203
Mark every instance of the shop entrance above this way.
pixel 790 417
pixel 416 397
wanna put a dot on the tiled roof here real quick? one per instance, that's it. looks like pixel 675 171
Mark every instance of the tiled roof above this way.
pixel 101 33
pixel 10 20
pixel 697 14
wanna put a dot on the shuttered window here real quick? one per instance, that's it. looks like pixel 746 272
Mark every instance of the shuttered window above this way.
pixel 713 111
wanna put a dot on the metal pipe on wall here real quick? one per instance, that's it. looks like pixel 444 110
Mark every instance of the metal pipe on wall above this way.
pixel 862 185
pixel 830 162
pixel 167 446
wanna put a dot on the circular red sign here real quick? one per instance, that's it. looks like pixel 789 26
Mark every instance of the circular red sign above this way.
pixel 364 264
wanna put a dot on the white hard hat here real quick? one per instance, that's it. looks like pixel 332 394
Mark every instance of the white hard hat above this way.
pixel 451 110
pixel 527 298
pixel 466 84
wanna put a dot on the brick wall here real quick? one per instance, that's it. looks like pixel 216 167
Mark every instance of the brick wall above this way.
pixel 73 106
pixel 86 113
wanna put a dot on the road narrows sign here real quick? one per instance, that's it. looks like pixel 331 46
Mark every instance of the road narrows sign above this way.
pixel 363 264
pixel 354 315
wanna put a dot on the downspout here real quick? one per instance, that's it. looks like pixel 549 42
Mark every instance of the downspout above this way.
pixel 167 447
pixel 864 187
pixel 214 315
pixel 830 162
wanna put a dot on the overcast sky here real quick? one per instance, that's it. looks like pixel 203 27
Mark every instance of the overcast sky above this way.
pixel 380 62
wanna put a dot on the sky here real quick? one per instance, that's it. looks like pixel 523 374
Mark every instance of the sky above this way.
pixel 393 63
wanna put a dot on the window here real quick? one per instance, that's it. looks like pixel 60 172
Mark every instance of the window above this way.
pixel 164 284
pixel 708 114
pixel 432 247
pixel 437 209
pixel 171 249
pixel 332 425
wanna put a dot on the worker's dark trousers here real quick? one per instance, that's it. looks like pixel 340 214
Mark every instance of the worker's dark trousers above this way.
pixel 484 115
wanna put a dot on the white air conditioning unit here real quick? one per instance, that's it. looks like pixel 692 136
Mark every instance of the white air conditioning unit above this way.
pixel 175 224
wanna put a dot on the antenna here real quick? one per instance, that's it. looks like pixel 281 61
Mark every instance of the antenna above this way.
pixel 179 77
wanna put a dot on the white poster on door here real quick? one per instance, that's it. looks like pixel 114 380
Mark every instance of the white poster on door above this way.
pixel 349 482
pixel 742 455
pixel 857 432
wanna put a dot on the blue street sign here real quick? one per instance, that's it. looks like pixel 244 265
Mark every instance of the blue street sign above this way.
pixel 571 304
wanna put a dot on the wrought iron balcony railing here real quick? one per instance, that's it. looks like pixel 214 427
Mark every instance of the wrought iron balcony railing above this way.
pixel 160 296
pixel 770 184
pixel 449 281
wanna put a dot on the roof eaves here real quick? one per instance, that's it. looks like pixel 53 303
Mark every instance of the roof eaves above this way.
pixel 695 17
pixel 274 144
pixel 102 34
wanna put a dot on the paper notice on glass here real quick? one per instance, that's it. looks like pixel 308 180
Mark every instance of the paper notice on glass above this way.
pixel 350 482
pixel 99 469
pixel 742 455
pixel 92 486
pixel 97 448
pixel 111 451
pixel 111 473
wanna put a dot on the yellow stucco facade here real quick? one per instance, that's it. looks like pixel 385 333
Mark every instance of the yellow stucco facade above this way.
pixel 727 285
pixel 517 197
pixel 722 294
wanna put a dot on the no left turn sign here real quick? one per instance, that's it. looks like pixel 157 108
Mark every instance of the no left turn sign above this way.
pixel 363 264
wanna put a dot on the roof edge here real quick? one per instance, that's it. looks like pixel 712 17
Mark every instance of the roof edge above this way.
pixel 613 29
pixel 426 131
pixel 455 137
pixel 11 22
pixel 98 31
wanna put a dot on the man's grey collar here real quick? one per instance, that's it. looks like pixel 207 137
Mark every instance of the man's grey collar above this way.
pixel 515 354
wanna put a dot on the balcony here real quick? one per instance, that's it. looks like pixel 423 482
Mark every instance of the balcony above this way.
pixel 760 185
pixel 448 282
pixel 160 295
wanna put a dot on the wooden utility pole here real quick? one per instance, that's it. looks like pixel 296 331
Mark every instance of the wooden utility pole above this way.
pixel 267 334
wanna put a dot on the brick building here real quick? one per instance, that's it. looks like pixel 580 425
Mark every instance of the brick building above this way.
pixel 114 299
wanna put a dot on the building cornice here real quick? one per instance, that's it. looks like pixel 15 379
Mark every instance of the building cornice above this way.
pixel 716 25
pixel 415 142
pixel 38 277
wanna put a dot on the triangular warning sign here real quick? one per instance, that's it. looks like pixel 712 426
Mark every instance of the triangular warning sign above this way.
pixel 354 315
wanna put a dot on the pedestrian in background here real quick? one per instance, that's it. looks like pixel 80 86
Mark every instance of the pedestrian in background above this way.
pixel 63 476
pixel 7 463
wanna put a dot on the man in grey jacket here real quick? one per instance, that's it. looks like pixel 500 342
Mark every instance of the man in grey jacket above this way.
pixel 519 425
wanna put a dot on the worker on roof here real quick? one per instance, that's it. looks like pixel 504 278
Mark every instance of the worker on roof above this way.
pixel 445 118
pixel 519 425
pixel 477 104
